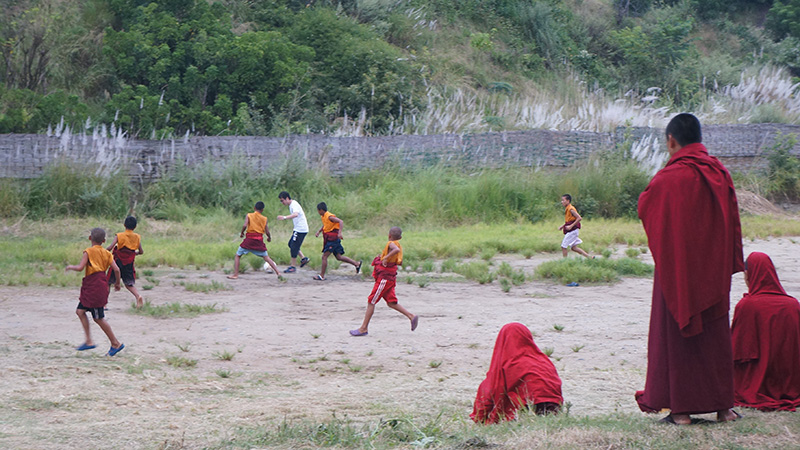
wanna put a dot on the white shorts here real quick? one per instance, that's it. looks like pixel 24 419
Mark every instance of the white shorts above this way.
pixel 571 239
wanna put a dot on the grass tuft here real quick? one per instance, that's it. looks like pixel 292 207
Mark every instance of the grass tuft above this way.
pixel 176 309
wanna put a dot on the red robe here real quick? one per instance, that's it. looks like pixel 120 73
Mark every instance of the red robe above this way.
pixel 254 241
pixel 766 342
pixel 94 290
pixel 520 374
pixel 691 217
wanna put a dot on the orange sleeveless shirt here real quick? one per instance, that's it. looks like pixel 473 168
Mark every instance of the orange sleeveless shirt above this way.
pixel 100 259
pixel 128 239
pixel 257 223
pixel 327 224
pixel 397 258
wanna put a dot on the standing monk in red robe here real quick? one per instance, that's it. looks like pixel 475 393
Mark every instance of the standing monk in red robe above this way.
pixel 766 341
pixel 691 218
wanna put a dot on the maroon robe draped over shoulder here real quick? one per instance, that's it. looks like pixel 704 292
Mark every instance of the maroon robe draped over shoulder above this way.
pixel 691 217
pixel 766 342
pixel 519 375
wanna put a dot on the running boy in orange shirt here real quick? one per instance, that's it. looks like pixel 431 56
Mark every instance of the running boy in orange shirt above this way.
pixel 571 228
pixel 126 246
pixel 94 290
pixel 385 274
pixel 332 236
pixel 255 224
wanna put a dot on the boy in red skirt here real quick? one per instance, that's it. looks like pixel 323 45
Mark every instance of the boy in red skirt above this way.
pixel 385 274
pixel 94 290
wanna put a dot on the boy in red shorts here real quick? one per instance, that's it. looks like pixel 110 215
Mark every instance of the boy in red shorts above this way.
pixel 94 290
pixel 126 246
pixel 385 274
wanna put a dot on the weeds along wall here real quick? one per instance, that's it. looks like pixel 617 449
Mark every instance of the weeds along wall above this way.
pixel 742 148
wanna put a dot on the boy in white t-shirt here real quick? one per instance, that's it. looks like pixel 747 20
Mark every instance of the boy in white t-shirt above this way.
pixel 298 216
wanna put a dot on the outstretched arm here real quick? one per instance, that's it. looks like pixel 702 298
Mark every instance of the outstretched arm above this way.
pixel 81 265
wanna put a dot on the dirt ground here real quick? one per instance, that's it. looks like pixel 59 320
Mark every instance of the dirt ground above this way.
pixel 293 358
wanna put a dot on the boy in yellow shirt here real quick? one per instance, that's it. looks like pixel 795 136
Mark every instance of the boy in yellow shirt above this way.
pixel 385 274
pixel 126 246
pixel 94 290
pixel 255 224
pixel 332 236
pixel 571 228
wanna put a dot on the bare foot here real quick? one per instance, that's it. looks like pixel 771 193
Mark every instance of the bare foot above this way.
pixel 677 419
pixel 139 302
pixel 728 415
pixel 233 277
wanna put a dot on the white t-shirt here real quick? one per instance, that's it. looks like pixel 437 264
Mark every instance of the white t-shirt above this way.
pixel 300 222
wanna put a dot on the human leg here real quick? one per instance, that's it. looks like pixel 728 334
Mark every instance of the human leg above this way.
pixel 85 324
pixel 343 258
pixel 579 251
pixel 106 327
pixel 399 308
pixel 272 264
pixel 135 292
pixel 367 317
pixel 564 252
pixel 324 265
pixel 235 274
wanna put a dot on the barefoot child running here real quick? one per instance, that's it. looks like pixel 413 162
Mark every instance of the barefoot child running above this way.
pixel 94 290
pixel 571 228
pixel 125 247
pixel 255 224
pixel 332 236
pixel 385 274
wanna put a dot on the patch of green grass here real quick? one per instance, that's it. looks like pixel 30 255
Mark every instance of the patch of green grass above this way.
pixel 147 287
pixel 153 280
pixel 147 273
pixel 547 351
pixel 184 347
pixel 568 270
pixel 606 253
pixel 355 369
pixel 434 364
pixel 176 309
pixel 428 266
pixel 315 335
pixel 558 327
pixel 632 252
pixel 505 284
pixel 180 361
pixel 488 254
pixel 423 281
pixel 205 288
pixel 222 373
pixel 477 271
pixel 577 348
pixel 449 265
pixel 224 355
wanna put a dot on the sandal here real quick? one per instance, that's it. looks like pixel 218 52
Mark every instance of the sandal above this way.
pixel 358 268
pixel 290 269
pixel 319 277
pixel 303 262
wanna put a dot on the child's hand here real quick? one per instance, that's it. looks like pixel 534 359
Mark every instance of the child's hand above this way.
pixel 117 286
pixel 269 238
pixel 340 234
pixel 317 234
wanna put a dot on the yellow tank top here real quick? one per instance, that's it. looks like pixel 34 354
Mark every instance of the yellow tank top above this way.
pixel 129 240
pixel 99 259
pixel 397 258
pixel 257 223
pixel 327 224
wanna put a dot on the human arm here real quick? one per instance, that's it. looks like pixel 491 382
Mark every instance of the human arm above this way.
pixel 574 222
pixel 266 231
pixel 113 243
pixel 335 219
pixel 319 231
pixel 115 268
pixel 81 265
pixel 141 252
pixel 290 216
pixel 244 227
pixel 393 250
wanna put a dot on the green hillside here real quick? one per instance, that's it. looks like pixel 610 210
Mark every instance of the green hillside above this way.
pixel 271 67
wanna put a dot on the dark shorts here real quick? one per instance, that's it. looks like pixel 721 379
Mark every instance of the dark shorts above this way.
pixel 126 272
pixel 295 242
pixel 334 247
pixel 97 313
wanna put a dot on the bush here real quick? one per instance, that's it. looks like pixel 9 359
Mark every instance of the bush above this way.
pixel 783 170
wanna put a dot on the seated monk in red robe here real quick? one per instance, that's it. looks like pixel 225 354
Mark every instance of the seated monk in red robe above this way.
pixel 520 375
pixel 766 341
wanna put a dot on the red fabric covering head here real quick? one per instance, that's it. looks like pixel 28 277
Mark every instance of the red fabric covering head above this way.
pixel 520 374
pixel 766 341
pixel 694 236
pixel 761 275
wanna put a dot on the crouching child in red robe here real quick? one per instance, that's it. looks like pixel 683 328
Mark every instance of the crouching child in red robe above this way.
pixel 766 341
pixel 519 376
pixel 385 274
pixel 94 290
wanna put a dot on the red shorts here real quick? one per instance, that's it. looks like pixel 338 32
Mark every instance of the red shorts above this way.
pixel 383 289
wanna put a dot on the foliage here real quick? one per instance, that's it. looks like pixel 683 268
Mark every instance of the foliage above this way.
pixel 783 170
pixel 784 19
pixel 594 270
